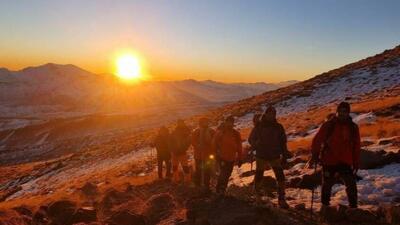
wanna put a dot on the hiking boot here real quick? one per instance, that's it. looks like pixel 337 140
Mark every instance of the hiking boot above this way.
pixel 283 204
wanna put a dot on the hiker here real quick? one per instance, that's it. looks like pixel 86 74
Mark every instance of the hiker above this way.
pixel 337 147
pixel 203 153
pixel 228 145
pixel 180 143
pixel 268 138
pixel 161 143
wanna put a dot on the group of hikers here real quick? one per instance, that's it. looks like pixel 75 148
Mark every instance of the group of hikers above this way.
pixel 336 147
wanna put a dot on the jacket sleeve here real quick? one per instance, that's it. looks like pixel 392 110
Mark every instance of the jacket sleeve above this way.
pixel 252 137
pixel 239 148
pixel 318 139
pixel 357 148
pixel 283 141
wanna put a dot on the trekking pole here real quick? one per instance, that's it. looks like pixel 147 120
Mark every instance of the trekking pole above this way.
pixel 202 170
pixel 251 159
pixel 312 192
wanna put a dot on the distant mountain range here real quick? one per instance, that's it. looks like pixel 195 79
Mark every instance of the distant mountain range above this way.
pixel 53 88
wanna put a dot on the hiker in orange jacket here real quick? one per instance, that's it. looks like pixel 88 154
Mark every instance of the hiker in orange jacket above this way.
pixel 179 144
pixel 161 143
pixel 228 145
pixel 203 153
pixel 337 147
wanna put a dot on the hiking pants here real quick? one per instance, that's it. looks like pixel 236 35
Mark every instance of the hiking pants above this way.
pixel 160 161
pixel 339 172
pixel 225 171
pixel 204 170
pixel 183 161
pixel 276 166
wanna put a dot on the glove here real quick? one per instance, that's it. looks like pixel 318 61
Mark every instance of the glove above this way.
pixel 239 163
pixel 355 170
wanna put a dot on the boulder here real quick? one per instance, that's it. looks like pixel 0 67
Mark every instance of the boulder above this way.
pixel 159 207
pixel 85 215
pixel 61 212
pixel 23 210
pixel 126 218
pixel 112 198
pixel 372 159
pixel 40 216
pixel 89 189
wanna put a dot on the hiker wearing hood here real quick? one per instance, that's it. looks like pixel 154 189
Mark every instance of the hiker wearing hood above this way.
pixel 337 147
pixel 203 153
pixel 161 143
pixel 180 143
pixel 228 146
pixel 268 138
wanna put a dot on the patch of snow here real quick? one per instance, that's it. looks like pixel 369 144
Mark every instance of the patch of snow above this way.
pixel 358 82
pixel 57 178
pixel 43 139
pixel 378 146
pixel 365 118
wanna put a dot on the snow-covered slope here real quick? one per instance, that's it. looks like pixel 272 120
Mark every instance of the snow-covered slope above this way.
pixel 373 74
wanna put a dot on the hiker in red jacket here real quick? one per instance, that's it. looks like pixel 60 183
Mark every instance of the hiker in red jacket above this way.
pixel 268 138
pixel 179 143
pixel 228 145
pixel 161 143
pixel 203 153
pixel 337 147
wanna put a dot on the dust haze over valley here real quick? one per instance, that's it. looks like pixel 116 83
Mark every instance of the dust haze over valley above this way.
pixel 45 105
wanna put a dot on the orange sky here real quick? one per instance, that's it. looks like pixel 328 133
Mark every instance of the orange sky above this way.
pixel 236 42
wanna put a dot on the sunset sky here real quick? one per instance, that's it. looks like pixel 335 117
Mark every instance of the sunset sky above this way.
pixel 221 40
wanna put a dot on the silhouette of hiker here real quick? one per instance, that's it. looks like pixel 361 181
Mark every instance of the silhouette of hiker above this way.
pixel 204 154
pixel 268 138
pixel 180 143
pixel 161 143
pixel 228 145
pixel 337 147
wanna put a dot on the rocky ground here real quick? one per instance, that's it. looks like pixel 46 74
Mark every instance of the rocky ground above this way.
pixel 111 179
pixel 115 183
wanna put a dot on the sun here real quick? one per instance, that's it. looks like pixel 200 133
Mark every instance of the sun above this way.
pixel 128 67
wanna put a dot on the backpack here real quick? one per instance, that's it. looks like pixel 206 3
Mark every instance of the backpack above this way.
pixel 330 129
pixel 180 141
